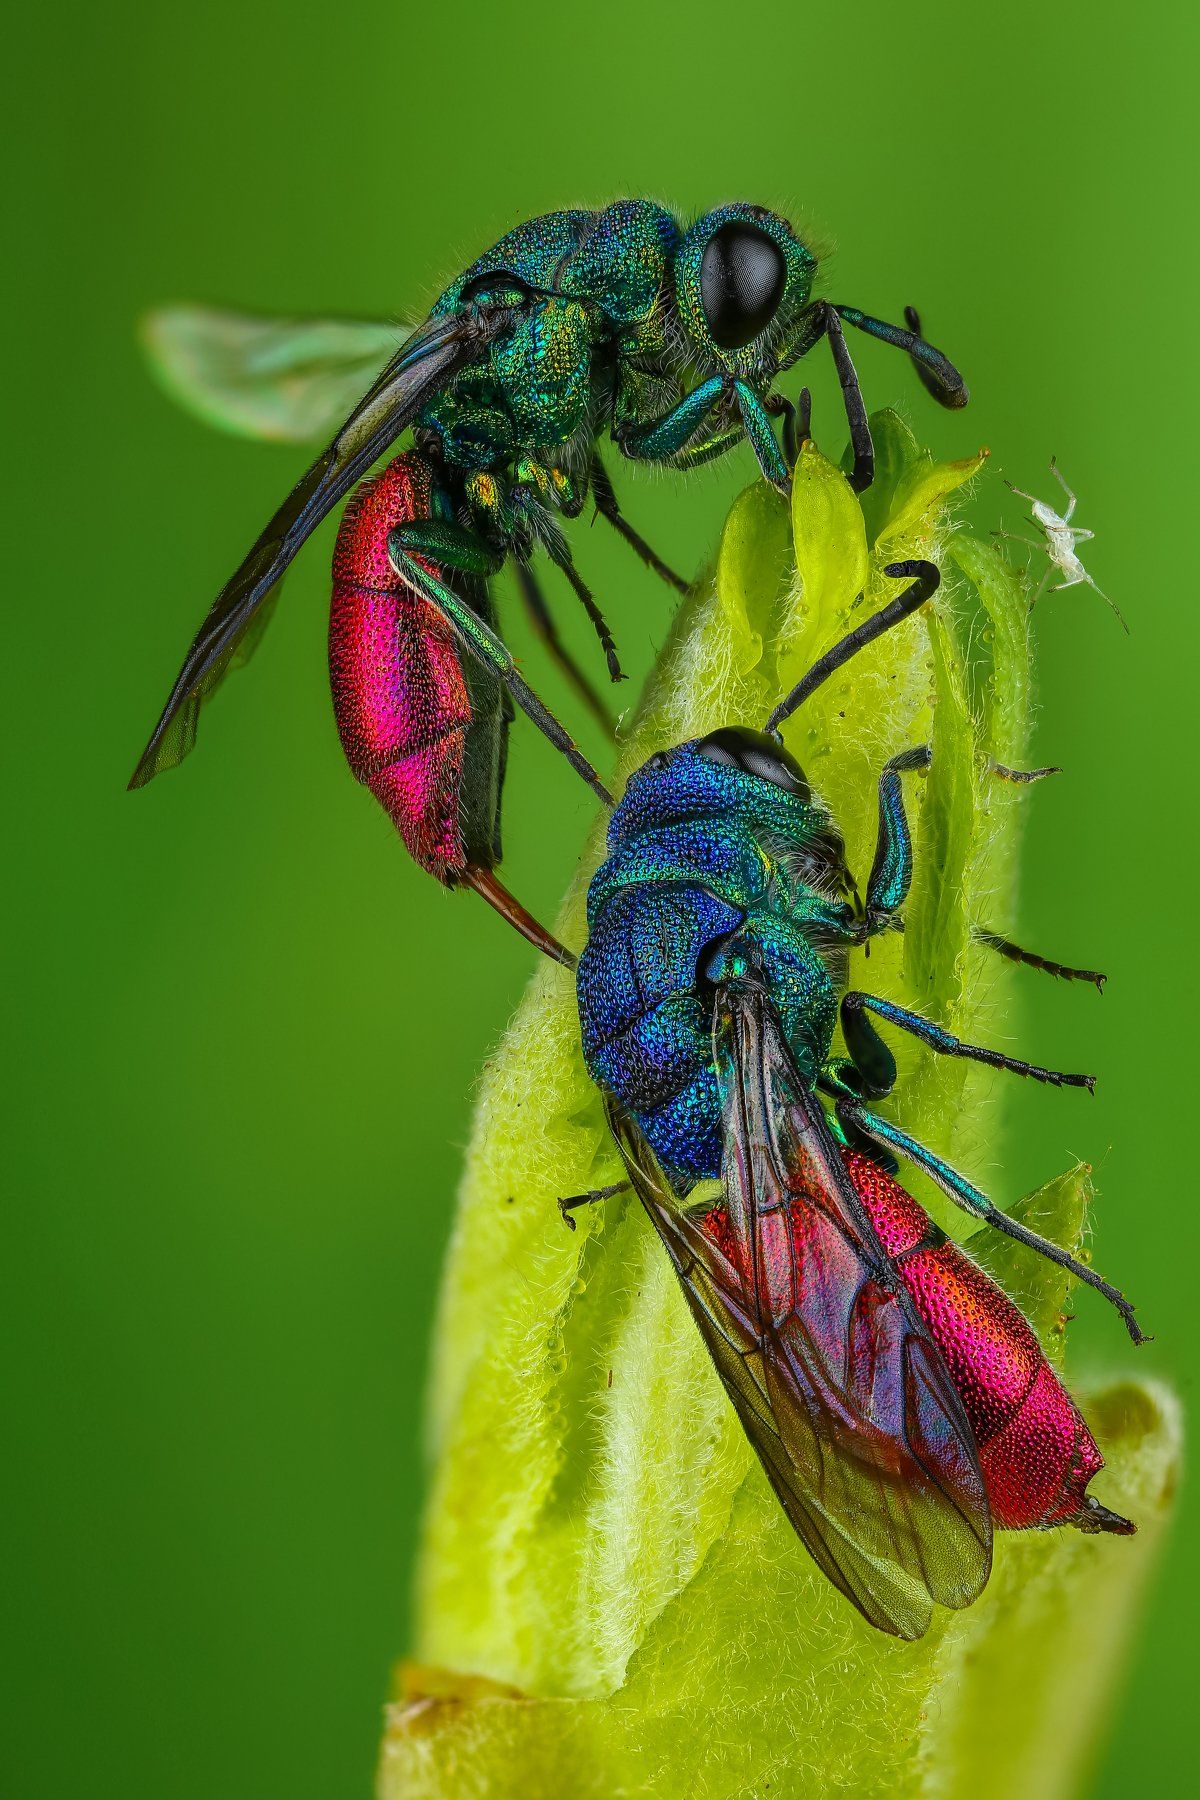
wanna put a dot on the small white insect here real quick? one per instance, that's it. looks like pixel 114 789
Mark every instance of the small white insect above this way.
pixel 1058 540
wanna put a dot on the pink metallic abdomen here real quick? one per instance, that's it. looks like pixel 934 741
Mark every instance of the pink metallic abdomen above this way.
pixel 1035 1452
pixel 399 695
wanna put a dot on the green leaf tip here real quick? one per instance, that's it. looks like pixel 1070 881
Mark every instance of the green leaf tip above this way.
pixel 610 1600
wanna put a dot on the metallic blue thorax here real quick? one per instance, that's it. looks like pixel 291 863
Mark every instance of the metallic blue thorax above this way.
pixel 701 853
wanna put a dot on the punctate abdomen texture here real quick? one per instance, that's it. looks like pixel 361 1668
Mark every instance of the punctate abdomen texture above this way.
pixel 399 694
pixel 1035 1451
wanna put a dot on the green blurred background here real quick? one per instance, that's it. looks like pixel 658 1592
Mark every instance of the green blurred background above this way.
pixel 244 1030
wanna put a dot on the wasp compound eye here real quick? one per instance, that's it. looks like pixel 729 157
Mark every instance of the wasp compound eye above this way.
pixel 742 277
pixel 755 754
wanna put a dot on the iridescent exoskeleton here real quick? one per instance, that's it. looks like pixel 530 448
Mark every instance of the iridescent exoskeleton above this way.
pixel 900 1404
pixel 576 327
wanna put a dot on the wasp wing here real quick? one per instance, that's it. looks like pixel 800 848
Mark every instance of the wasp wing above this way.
pixel 838 1385
pixel 422 366
pixel 286 380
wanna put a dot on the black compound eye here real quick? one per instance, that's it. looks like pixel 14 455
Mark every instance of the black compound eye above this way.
pixel 756 754
pixel 742 278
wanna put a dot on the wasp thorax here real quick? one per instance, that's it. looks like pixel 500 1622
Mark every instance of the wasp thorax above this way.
pixel 756 754
pixel 743 273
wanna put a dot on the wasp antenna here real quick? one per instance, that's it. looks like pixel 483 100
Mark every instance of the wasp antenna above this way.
pixel 926 583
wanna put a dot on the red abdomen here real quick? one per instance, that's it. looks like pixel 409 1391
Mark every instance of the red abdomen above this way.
pixel 400 697
pixel 1035 1451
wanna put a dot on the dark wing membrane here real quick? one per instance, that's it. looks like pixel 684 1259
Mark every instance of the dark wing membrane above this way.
pixel 420 368
pixel 837 1383
pixel 288 381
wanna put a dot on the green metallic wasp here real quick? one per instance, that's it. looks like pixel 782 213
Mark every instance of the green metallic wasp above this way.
pixel 576 327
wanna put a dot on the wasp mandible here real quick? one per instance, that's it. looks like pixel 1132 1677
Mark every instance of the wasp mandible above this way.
pixel 577 327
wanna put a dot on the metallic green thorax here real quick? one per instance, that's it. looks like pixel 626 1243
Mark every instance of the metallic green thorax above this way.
pixel 618 337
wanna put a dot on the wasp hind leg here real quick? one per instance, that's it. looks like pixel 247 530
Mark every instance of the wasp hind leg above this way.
pixel 852 1116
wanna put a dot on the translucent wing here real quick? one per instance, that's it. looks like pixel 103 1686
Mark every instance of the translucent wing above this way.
pixel 837 1383
pixel 420 368
pixel 290 380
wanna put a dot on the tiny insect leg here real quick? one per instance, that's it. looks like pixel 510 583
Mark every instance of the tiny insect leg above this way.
pixel 875 1065
pixel 852 1116
pixel 609 508
pixel 482 643
pixel 573 1202
pixel 1061 479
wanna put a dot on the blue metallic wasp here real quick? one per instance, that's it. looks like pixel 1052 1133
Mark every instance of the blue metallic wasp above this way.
pixel 901 1406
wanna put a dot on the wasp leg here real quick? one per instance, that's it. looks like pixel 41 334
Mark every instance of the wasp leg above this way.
pixel 892 869
pixel 971 1200
pixel 822 320
pixel 863 472
pixel 449 544
pixel 876 1066
pixel 669 439
pixel 608 508
pixel 562 558
pixel 1021 777
pixel 537 525
pixel 1013 952
pixel 797 421
pixel 667 436
pixel 573 1202
pixel 542 620
pixel 482 643
pixel 762 437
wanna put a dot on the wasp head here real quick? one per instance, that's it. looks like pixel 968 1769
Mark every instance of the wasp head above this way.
pixel 742 277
